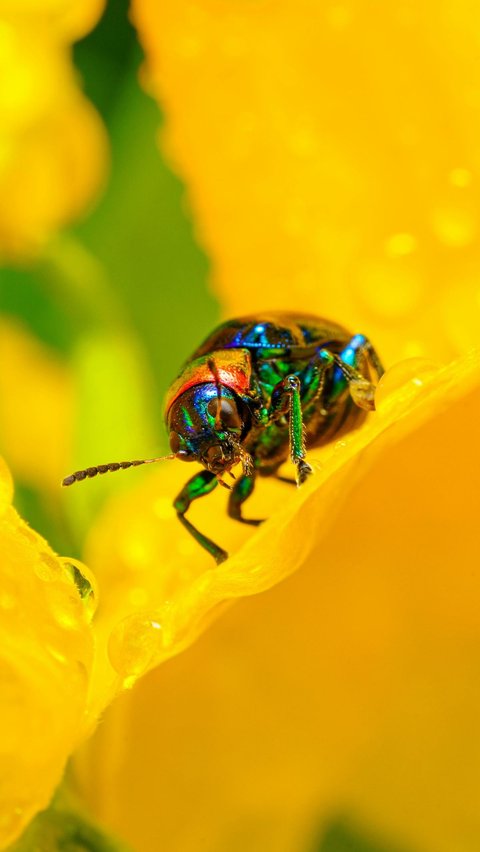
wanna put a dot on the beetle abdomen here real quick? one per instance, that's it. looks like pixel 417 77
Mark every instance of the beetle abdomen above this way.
pixel 273 330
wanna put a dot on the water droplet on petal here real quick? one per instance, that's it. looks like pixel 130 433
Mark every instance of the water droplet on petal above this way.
pixel 136 644
pixel 84 581
pixel 411 374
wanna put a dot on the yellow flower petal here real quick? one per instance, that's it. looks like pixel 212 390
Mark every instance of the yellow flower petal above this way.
pixel 326 172
pixel 6 487
pixel 147 560
pixel 53 149
pixel 350 688
pixel 69 18
pixel 46 651
pixel 34 383
pixel 53 172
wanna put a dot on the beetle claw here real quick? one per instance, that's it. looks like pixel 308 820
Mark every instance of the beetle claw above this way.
pixel 303 472
pixel 225 484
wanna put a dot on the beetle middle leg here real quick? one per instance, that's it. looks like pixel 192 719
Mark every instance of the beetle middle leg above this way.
pixel 198 486
pixel 286 399
pixel 241 491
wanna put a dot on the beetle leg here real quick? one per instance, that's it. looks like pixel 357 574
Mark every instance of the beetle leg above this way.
pixel 241 491
pixel 286 398
pixel 347 370
pixel 313 381
pixel 199 485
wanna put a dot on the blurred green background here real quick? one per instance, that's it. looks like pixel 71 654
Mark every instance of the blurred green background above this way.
pixel 123 296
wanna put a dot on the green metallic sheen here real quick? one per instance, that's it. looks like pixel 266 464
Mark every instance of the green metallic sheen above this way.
pixel 262 389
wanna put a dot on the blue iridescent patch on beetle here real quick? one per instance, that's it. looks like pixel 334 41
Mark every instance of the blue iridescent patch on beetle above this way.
pixel 202 421
pixel 349 356
pixel 263 335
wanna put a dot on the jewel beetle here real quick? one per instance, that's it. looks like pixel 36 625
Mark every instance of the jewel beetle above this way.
pixel 259 390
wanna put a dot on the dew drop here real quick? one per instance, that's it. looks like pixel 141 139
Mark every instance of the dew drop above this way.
pixel 64 606
pixel 135 644
pixel 84 581
pixel 411 374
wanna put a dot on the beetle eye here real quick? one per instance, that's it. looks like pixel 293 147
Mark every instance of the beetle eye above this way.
pixel 229 416
pixel 174 439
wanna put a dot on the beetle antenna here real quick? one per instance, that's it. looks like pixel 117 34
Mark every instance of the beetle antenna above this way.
pixel 112 466
pixel 213 367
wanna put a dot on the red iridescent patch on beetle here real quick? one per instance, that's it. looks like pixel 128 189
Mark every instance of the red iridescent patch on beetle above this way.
pixel 233 368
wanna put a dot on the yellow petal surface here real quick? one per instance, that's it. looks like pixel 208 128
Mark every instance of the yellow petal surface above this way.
pixel 331 157
pixel 53 170
pixel 46 650
pixel 70 19
pixel 349 688
pixel 53 151
pixel 34 384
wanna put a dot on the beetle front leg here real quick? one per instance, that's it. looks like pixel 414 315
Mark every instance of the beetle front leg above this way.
pixel 286 398
pixel 199 485
pixel 241 491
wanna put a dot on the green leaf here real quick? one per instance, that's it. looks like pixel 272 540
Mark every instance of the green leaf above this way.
pixel 144 238
pixel 59 830
pixel 343 836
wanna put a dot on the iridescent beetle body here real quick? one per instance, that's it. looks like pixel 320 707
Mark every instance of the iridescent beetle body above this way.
pixel 259 390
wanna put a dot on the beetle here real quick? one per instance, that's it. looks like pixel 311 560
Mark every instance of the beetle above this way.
pixel 261 389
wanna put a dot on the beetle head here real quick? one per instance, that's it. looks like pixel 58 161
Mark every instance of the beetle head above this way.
pixel 207 426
